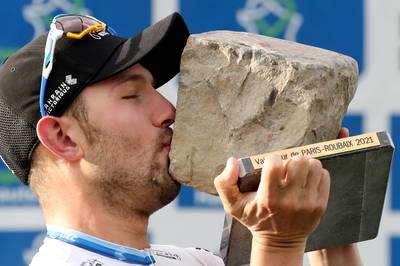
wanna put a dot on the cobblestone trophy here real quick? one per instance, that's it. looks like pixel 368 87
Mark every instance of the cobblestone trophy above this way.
pixel 243 94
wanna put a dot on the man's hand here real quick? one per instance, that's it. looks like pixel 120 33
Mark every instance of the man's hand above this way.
pixel 284 210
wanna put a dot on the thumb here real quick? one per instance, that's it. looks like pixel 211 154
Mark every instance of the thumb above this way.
pixel 226 183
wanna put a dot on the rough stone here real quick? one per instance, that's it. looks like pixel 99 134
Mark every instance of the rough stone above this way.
pixel 242 94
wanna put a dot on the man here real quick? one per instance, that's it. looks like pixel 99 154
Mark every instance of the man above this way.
pixel 83 126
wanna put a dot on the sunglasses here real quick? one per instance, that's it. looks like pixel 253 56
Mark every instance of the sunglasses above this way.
pixel 74 27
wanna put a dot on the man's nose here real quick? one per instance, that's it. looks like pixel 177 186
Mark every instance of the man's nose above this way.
pixel 165 113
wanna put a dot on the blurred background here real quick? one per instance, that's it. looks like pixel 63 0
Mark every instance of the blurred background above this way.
pixel 367 30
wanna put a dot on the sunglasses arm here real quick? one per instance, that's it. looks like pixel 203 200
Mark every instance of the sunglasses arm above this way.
pixel 52 38
pixel 54 35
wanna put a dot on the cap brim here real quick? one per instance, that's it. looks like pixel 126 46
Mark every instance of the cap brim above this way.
pixel 158 48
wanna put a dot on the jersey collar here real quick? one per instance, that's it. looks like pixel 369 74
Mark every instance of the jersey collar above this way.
pixel 99 246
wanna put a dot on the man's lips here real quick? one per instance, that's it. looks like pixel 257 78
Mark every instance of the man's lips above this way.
pixel 166 141
pixel 167 146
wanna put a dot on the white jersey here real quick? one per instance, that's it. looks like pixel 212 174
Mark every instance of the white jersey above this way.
pixel 65 247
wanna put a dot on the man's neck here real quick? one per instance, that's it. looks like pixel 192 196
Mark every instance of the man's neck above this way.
pixel 92 218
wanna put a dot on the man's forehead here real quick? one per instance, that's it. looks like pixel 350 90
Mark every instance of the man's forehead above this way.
pixel 136 72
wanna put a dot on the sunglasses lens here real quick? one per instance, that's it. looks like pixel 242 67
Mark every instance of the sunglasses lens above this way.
pixel 75 24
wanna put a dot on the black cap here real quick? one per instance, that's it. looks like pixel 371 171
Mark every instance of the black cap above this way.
pixel 77 63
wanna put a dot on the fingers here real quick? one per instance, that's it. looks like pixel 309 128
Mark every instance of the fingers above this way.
pixel 226 184
pixel 343 133
pixel 314 175
pixel 318 186
pixel 307 179
pixel 272 178
pixel 324 188
pixel 272 171
pixel 297 171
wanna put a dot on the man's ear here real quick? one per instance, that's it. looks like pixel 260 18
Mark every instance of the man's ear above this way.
pixel 53 134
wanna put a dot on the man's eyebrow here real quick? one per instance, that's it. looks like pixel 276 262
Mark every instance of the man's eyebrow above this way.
pixel 137 77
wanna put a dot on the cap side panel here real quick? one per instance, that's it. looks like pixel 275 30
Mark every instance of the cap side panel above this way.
pixel 17 137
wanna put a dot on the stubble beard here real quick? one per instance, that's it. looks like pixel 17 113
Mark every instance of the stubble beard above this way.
pixel 128 177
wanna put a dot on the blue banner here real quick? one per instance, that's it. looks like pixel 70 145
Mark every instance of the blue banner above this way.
pixel 24 19
pixel 336 25
pixel 18 248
